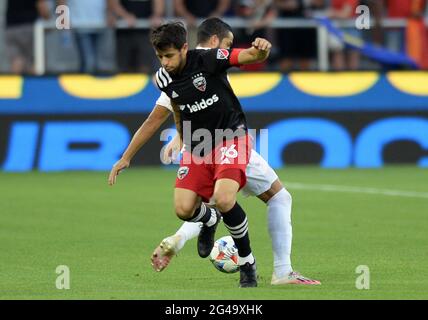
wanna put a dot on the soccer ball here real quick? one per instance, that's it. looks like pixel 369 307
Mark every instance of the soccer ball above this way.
pixel 224 255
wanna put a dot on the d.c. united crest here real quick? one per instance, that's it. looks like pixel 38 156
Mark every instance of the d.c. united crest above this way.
pixel 182 172
pixel 200 82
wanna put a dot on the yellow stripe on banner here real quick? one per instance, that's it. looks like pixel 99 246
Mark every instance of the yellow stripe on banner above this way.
pixel 11 87
pixel 414 83
pixel 90 87
pixel 334 84
pixel 253 84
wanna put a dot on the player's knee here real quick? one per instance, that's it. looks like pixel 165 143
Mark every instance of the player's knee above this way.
pixel 282 196
pixel 224 201
pixel 184 211
pixel 287 196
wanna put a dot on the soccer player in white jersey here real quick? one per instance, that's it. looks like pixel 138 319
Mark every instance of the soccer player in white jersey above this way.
pixel 262 180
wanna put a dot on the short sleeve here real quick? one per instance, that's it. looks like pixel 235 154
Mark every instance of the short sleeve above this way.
pixel 162 79
pixel 219 60
pixel 164 101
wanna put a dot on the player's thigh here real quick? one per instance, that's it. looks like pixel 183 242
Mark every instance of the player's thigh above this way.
pixel 225 191
pixel 262 180
pixel 185 202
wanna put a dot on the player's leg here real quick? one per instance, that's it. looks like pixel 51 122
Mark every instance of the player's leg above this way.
pixel 201 212
pixel 172 245
pixel 235 220
pixel 231 159
pixel 190 208
pixel 279 202
pixel 194 182
pixel 263 182
pixel 186 203
pixel 187 231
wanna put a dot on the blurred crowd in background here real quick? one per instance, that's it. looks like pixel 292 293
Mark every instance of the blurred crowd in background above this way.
pixel 111 49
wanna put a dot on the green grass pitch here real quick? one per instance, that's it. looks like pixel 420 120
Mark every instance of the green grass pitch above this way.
pixel 106 236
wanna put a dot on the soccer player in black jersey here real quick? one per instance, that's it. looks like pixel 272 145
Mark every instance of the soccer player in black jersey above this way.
pixel 262 181
pixel 196 82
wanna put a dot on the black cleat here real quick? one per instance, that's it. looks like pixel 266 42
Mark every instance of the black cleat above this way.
pixel 248 275
pixel 206 238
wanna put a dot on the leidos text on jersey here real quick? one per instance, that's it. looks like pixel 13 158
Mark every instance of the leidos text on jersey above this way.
pixel 200 105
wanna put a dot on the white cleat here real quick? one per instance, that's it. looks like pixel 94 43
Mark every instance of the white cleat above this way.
pixel 164 252
pixel 293 278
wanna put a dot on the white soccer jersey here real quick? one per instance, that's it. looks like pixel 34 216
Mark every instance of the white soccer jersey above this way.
pixel 164 101
pixel 260 175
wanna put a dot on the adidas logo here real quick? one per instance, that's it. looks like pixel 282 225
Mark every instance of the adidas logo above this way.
pixel 174 95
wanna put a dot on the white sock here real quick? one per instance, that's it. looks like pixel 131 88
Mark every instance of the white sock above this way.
pixel 249 258
pixel 280 230
pixel 187 231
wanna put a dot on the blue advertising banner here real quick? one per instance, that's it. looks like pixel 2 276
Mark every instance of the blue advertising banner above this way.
pixel 335 120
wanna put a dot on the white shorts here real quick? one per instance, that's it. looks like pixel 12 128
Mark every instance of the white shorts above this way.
pixel 260 176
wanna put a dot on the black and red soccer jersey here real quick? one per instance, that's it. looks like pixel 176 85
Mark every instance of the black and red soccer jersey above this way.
pixel 203 93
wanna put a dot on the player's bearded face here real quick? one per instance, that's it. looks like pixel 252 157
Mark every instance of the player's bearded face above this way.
pixel 226 42
pixel 172 59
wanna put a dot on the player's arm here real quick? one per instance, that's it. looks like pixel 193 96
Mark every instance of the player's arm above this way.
pixel 173 148
pixel 149 127
pixel 259 52
pixel 153 122
pixel 177 120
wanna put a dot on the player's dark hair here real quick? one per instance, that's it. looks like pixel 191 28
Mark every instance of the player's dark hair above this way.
pixel 211 27
pixel 169 35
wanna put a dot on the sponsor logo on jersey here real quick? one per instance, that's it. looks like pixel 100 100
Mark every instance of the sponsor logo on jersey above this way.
pixel 200 83
pixel 182 172
pixel 200 105
pixel 222 54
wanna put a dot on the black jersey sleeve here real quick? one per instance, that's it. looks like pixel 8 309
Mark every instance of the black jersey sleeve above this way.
pixel 162 79
pixel 219 60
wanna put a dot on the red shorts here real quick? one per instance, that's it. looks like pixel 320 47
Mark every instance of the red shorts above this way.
pixel 228 160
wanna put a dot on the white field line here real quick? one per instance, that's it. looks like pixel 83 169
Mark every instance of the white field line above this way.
pixel 353 189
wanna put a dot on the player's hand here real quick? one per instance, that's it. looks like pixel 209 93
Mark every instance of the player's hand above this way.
pixel 117 168
pixel 171 151
pixel 262 44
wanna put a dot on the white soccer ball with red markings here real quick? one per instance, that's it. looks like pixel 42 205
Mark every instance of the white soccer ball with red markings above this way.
pixel 224 255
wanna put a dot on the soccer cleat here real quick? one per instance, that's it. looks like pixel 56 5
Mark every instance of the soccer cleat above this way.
pixel 163 253
pixel 293 278
pixel 248 275
pixel 206 238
